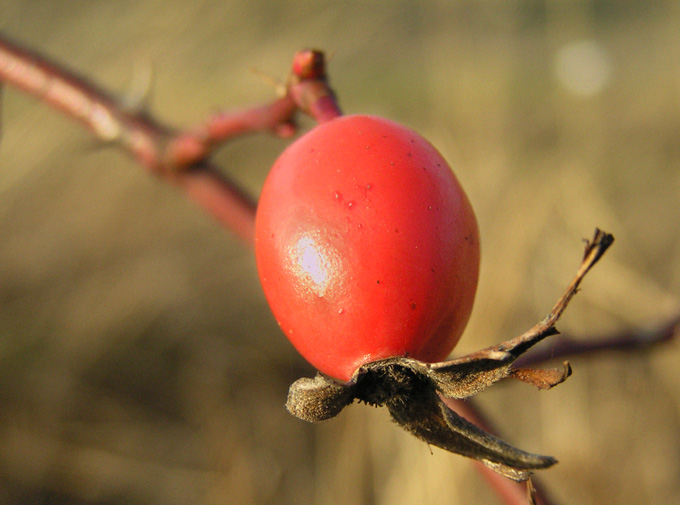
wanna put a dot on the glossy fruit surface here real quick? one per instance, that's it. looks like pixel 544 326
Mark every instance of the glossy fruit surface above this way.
pixel 366 246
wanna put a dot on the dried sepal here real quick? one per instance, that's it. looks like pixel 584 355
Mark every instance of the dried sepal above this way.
pixel 412 390
pixel 542 378
pixel 318 399
pixel 414 402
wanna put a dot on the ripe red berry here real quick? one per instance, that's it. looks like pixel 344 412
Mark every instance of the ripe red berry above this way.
pixel 367 246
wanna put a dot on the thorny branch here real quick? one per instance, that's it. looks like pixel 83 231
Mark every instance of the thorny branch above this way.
pixel 179 156
pixel 182 158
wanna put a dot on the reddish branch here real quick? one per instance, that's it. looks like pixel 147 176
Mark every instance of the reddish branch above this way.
pixel 182 157
pixel 179 156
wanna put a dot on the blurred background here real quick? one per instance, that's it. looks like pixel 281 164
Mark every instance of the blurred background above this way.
pixel 139 363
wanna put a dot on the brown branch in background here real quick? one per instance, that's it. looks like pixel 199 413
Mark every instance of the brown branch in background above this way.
pixel 630 340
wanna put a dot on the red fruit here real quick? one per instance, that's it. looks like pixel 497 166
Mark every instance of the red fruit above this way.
pixel 367 246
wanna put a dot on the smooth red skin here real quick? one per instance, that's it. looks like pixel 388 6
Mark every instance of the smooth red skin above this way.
pixel 366 246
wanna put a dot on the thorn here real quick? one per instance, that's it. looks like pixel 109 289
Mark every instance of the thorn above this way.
pixel 138 94
pixel 279 87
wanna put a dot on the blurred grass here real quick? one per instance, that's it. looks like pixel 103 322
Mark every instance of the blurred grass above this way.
pixel 138 360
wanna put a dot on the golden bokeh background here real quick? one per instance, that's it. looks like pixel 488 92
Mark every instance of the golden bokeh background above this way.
pixel 139 363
